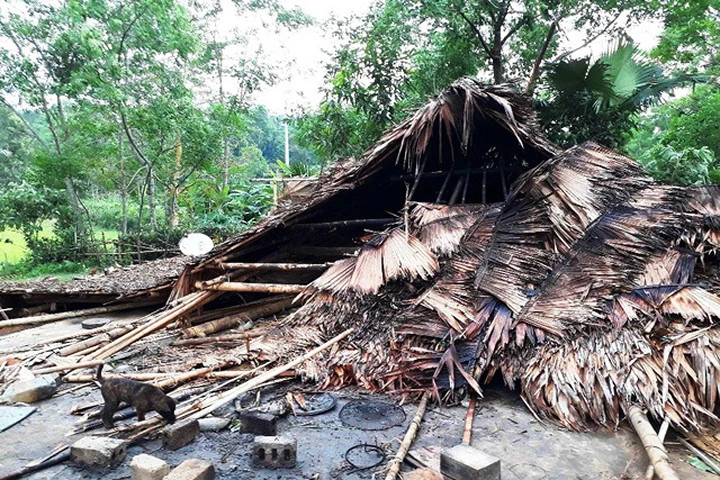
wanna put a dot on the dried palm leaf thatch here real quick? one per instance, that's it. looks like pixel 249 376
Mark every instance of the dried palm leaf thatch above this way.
pixel 452 296
pixel 441 227
pixel 580 383
pixel 389 256
pixel 614 251
pixel 548 211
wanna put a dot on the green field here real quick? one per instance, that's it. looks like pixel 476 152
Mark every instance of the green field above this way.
pixel 13 247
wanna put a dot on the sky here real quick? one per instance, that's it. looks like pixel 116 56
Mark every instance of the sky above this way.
pixel 307 50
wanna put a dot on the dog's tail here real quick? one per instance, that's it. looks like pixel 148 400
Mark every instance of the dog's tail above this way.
pixel 98 372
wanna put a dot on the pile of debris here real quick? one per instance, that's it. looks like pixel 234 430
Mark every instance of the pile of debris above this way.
pixel 461 246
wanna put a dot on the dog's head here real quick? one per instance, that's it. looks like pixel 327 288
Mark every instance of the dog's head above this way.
pixel 167 409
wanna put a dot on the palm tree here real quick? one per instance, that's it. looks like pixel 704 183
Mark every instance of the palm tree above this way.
pixel 599 100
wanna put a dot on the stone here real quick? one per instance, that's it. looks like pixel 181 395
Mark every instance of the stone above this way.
pixel 147 467
pixel 274 452
pixel 213 424
pixel 101 452
pixel 192 469
pixel 92 323
pixel 180 434
pixel 32 390
pixel 258 423
pixel 423 474
pixel 463 462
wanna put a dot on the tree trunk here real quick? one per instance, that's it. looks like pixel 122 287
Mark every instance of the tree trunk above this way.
pixel 152 201
pixel 77 211
pixel 174 216
pixel 123 185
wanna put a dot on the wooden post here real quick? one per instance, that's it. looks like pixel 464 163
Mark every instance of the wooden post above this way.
pixel 396 462
pixel 467 431
pixel 653 446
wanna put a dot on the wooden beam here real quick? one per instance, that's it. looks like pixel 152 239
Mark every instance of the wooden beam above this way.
pixel 462 172
pixel 274 266
pixel 360 222
pixel 256 287
pixel 653 446
pixel 315 251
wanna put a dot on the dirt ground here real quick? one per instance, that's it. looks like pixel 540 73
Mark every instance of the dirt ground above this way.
pixel 503 427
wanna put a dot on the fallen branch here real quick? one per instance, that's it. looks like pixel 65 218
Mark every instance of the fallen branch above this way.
pixel 53 317
pixel 653 446
pixel 396 461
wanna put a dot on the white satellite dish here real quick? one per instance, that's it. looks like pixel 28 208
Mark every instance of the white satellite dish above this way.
pixel 196 244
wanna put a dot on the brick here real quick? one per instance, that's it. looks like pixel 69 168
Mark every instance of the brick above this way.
pixel 101 452
pixel 463 462
pixel 180 434
pixel 213 424
pixel 274 452
pixel 423 474
pixel 32 390
pixel 192 469
pixel 147 467
pixel 258 423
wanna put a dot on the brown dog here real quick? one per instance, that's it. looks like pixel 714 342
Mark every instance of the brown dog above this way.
pixel 142 396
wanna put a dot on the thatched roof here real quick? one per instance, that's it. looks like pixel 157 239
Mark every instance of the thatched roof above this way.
pixel 584 297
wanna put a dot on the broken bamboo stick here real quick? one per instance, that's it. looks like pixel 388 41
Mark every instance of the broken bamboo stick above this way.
pixel 650 472
pixel 395 463
pixel 255 382
pixel 257 287
pixel 231 321
pixel 467 431
pixel 274 266
pixel 53 317
pixel 359 222
pixel 653 446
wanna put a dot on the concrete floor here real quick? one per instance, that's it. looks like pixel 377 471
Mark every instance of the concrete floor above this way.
pixel 503 427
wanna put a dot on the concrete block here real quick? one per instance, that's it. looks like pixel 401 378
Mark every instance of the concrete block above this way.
pixel 192 469
pixel 180 434
pixel 274 452
pixel 102 452
pixel 147 467
pixel 463 462
pixel 423 474
pixel 213 424
pixel 258 423
pixel 32 390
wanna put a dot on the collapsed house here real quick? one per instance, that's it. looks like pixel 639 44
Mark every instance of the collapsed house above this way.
pixel 465 247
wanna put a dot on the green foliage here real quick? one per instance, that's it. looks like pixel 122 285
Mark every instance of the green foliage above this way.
pixel 679 142
pixel 599 100
pixel 28 271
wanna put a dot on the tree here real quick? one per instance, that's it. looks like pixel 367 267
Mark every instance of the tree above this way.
pixel 405 51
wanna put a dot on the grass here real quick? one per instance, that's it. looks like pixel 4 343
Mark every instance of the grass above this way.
pixel 13 251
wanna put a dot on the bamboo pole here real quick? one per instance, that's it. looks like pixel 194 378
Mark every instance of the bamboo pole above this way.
pixel 255 382
pixel 396 461
pixel 274 266
pixel 653 446
pixel 71 366
pixel 257 287
pixel 467 431
pixel 238 319
pixel 650 472
pixel 194 300
pixel 54 317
